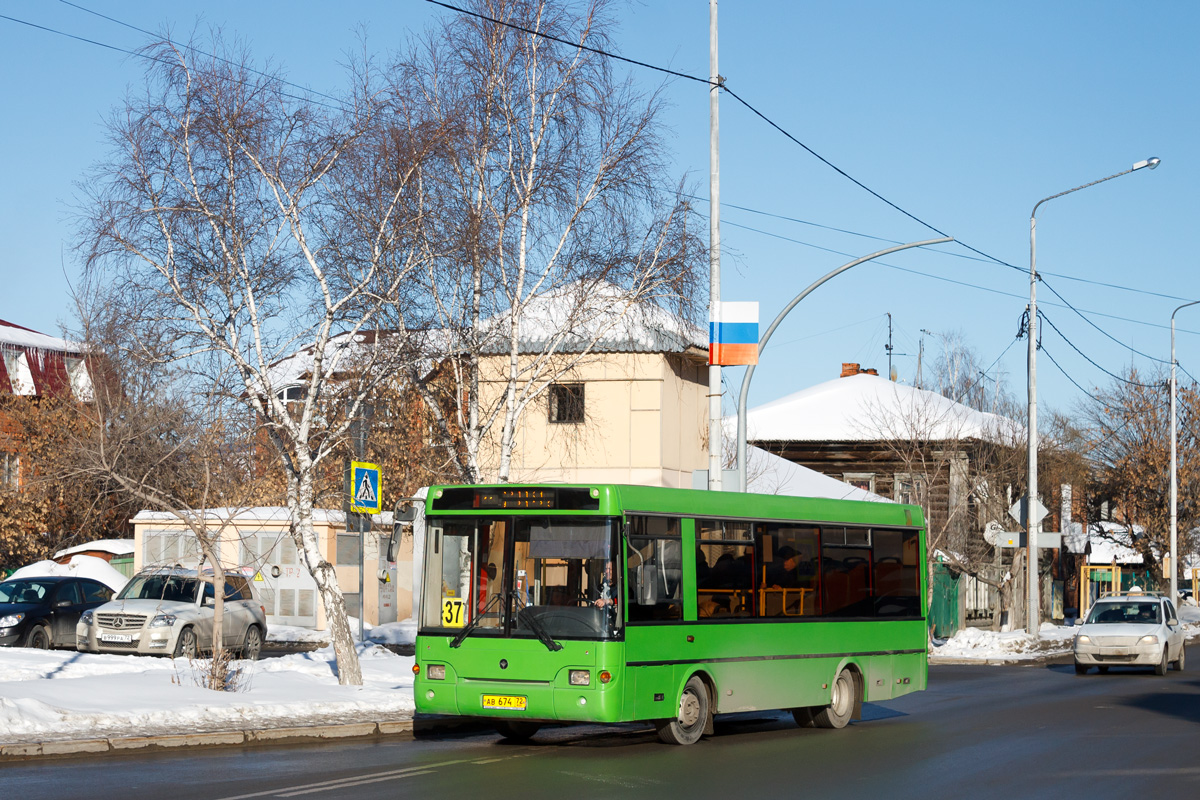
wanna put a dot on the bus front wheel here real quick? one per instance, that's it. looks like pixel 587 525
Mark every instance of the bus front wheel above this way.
pixel 689 724
pixel 841 703
pixel 517 729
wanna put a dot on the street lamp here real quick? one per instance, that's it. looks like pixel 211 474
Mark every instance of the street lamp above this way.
pixel 745 391
pixel 1174 468
pixel 1034 528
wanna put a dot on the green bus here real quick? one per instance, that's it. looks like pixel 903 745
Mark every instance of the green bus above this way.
pixel 610 603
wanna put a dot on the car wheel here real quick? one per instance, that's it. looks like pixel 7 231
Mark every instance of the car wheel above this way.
pixel 1081 669
pixel 689 723
pixel 1179 661
pixel 185 645
pixel 841 703
pixel 1161 667
pixel 38 638
pixel 252 645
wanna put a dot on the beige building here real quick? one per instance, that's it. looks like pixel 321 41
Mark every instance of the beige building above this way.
pixel 621 399
pixel 256 543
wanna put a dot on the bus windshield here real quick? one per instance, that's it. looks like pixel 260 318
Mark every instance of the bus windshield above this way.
pixel 515 575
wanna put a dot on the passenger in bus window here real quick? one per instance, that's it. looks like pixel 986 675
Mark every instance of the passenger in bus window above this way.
pixel 784 571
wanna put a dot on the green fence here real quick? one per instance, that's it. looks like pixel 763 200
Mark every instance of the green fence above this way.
pixel 944 609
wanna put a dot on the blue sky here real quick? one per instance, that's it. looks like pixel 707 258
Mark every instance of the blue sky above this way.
pixel 963 114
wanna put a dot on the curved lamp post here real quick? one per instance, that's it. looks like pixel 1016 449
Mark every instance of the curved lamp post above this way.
pixel 1174 468
pixel 745 391
pixel 1034 528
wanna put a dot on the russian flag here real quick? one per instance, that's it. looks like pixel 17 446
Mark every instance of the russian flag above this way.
pixel 733 335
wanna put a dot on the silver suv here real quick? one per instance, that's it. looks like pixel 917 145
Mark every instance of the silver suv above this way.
pixel 169 611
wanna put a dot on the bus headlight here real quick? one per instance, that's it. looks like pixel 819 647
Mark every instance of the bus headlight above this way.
pixel 580 677
pixel 436 672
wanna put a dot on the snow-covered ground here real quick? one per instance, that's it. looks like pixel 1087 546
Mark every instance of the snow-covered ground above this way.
pixel 1053 640
pixel 57 694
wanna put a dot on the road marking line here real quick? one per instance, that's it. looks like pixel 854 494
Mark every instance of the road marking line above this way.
pixel 348 784
pixel 334 783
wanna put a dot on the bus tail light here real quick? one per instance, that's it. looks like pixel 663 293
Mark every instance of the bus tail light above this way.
pixel 580 677
pixel 436 672
pixel 605 676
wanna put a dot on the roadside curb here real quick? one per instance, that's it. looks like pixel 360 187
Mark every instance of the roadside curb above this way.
pixel 23 751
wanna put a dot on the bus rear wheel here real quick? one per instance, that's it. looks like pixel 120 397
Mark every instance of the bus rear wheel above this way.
pixel 689 724
pixel 517 729
pixel 841 704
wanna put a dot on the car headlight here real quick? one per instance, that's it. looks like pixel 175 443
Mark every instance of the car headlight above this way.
pixel 86 619
pixel 10 620
pixel 1083 638
pixel 163 621
pixel 1149 640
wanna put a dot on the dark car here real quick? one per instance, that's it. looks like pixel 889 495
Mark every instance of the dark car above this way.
pixel 42 612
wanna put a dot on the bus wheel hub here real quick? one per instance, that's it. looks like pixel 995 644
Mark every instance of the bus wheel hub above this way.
pixel 689 710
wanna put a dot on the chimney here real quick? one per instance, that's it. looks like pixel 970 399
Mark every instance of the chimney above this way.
pixel 850 368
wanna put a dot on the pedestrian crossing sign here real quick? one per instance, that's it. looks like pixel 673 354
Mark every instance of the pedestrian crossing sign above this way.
pixel 365 488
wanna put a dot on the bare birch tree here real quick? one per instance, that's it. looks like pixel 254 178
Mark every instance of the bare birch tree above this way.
pixel 550 185
pixel 236 225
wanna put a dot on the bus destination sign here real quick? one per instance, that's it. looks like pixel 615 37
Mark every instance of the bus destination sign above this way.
pixel 514 498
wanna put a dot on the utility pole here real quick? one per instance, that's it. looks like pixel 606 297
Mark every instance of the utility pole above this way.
pixel 888 347
pixel 358 523
pixel 714 247
pixel 921 357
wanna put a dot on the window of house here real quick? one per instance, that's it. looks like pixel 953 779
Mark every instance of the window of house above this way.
pixel 10 471
pixel 566 402
pixel 860 480
pixel 20 377
pixel 909 488
pixel 81 381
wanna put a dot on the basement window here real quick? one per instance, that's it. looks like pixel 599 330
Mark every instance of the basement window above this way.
pixel 566 402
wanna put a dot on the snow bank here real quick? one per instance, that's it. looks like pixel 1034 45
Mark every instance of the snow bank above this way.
pixel 79 567
pixel 985 645
pixel 49 695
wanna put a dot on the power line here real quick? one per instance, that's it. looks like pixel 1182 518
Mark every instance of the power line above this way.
pixel 153 35
pixel 1087 358
pixel 138 54
pixel 1097 327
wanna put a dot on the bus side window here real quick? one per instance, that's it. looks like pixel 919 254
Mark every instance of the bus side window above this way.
pixel 655 565
pixel 726 567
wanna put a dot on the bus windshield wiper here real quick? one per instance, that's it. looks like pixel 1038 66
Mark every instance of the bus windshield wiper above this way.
pixel 473 624
pixel 535 625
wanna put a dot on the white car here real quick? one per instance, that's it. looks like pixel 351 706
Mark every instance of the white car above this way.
pixel 169 611
pixel 1135 629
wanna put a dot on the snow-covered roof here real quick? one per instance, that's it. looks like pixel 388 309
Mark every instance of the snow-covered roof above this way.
pixel 1111 541
pixel 79 567
pixel 595 311
pixel 870 408
pixel 770 474
pixel 118 547
pixel 260 514
pixel 21 337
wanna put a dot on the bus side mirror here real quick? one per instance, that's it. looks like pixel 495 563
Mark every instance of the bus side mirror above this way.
pixel 393 542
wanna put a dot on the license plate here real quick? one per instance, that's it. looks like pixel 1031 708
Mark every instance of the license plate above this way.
pixel 116 637
pixel 503 701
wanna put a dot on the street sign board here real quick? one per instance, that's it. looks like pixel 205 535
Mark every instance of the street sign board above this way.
pixel 1046 540
pixel 366 488
pixel 1017 511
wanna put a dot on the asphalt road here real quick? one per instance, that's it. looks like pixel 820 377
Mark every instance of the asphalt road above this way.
pixel 978 732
